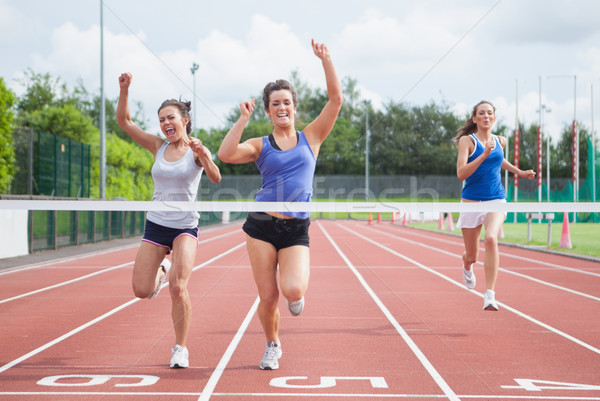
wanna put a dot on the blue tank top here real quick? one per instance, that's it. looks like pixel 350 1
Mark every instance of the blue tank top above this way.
pixel 485 183
pixel 175 181
pixel 286 175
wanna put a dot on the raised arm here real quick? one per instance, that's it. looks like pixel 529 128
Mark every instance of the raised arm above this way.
pixel 148 141
pixel 317 131
pixel 231 150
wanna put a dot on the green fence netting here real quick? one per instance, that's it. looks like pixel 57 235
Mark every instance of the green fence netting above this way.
pixel 588 192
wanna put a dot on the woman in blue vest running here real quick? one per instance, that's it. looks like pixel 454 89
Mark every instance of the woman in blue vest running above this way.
pixel 480 158
pixel 286 160
pixel 178 165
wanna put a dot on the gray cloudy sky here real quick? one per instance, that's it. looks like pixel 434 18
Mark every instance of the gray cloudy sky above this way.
pixel 415 51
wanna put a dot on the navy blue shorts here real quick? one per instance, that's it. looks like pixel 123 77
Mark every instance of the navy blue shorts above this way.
pixel 165 236
pixel 281 233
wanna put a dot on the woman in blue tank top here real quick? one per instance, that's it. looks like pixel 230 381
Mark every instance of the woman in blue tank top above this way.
pixel 286 160
pixel 178 165
pixel 480 158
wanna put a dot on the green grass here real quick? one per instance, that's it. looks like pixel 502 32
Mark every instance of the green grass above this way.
pixel 584 236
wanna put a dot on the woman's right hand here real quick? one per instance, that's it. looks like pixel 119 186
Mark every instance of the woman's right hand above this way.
pixel 125 80
pixel 489 146
pixel 247 108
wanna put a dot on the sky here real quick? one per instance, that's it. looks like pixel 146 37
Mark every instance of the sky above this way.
pixel 456 52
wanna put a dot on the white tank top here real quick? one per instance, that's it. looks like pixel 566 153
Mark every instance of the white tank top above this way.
pixel 175 181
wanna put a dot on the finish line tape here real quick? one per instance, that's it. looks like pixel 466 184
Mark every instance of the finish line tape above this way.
pixel 322 207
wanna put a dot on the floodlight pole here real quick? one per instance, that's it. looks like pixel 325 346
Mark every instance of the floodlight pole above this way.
pixel 194 68
pixel 539 147
pixel 593 148
pixel 367 151
pixel 546 109
pixel 102 109
pixel 517 144
pixel 575 147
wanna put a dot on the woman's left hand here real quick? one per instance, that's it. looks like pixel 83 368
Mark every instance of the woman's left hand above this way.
pixel 320 49
pixel 197 147
pixel 530 174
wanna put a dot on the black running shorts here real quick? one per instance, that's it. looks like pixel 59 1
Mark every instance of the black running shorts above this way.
pixel 281 233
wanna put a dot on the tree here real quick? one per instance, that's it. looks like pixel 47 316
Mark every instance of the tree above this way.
pixel 89 104
pixel 562 161
pixel 414 140
pixel 338 154
pixel 7 153
pixel 66 121
pixel 527 148
pixel 49 106
pixel 41 90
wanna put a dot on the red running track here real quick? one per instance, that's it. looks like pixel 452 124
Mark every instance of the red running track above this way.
pixel 386 317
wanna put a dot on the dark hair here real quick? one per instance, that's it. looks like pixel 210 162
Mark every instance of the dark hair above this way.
pixel 275 86
pixel 469 126
pixel 184 109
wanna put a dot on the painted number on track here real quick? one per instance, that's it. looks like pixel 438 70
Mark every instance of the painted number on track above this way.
pixel 539 385
pixel 95 380
pixel 326 381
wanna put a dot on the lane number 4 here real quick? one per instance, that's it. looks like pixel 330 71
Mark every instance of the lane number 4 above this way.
pixel 539 385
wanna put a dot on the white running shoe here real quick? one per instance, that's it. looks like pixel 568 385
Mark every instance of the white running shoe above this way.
pixel 469 279
pixel 489 301
pixel 295 307
pixel 272 354
pixel 166 266
pixel 180 357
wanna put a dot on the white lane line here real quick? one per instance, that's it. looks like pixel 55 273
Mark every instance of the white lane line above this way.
pixel 510 255
pixel 484 397
pixel 18 269
pixel 91 254
pixel 65 336
pixel 207 392
pixel 95 273
pixel 519 313
pixel 414 348
pixel 100 318
pixel 51 287
pixel 558 287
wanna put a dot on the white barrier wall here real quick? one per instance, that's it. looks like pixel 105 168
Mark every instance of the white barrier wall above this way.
pixel 13 233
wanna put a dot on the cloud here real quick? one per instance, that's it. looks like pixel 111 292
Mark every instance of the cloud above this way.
pixel 15 24
pixel 411 52
pixel 268 51
pixel 74 52
pixel 382 42
pixel 412 56
pixel 550 21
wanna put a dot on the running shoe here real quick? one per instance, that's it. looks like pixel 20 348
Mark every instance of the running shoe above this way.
pixel 272 354
pixel 179 357
pixel 296 307
pixel 469 279
pixel 166 266
pixel 489 301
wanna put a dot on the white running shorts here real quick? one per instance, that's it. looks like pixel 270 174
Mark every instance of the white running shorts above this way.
pixel 475 219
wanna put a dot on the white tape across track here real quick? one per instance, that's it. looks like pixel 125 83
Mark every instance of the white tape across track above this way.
pixel 327 207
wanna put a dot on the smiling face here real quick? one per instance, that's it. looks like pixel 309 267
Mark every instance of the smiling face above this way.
pixel 281 108
pixel 172 124
pixel 484 116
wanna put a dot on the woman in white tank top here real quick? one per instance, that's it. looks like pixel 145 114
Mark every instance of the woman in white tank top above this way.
pixel 178 165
